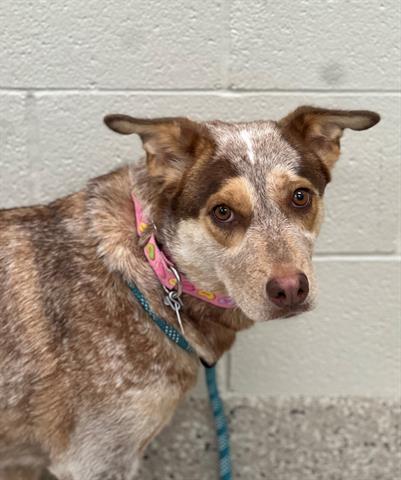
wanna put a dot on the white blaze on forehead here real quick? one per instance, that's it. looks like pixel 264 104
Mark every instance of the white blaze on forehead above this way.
pixel 248 141
pixel 262 142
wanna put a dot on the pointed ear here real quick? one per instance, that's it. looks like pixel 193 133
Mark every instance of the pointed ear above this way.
pixel 170 143
pixel 320 129
pixel 176 135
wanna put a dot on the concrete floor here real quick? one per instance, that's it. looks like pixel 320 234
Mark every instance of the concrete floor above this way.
pixel 288 439
pixel 292 439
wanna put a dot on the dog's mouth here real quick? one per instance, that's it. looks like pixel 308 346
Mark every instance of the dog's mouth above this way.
pixel 289 312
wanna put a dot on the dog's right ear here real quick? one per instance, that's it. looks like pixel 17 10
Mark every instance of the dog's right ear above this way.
pixel 170 143
pixel 176 136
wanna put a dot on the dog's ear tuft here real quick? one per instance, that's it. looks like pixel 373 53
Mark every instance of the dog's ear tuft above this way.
pixel 170 143
pixel 123 124
pixel 320 129
pixel 176 135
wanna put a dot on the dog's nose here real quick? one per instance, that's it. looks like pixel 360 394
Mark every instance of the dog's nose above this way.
pixel 288 291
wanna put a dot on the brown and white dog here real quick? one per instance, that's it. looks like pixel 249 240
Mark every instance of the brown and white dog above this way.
pixel 86 378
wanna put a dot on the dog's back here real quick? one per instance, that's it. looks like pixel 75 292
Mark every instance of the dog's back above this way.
pixel 51 282
pixel 38 260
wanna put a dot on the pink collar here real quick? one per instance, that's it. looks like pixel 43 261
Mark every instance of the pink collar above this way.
pixel 163 267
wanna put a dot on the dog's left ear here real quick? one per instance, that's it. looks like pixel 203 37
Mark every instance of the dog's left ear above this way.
pixel 320 129
pixel 169 143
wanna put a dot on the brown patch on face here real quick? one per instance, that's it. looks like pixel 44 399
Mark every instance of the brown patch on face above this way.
pixel 281 185
pixel 310 166
pixel 235 193
pixel 206 177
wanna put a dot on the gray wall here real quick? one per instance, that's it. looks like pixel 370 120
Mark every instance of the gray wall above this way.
pixel 63 65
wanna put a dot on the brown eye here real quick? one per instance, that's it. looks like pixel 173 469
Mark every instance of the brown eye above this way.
pixel 301 198
pixel 222 213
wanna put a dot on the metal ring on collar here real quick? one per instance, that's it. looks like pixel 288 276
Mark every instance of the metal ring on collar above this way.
pixel 178 285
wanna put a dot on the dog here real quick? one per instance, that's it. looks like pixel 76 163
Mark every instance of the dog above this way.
pixel 87 379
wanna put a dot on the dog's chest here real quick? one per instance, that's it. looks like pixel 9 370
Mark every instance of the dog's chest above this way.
pixel 130 420
pixel 139 387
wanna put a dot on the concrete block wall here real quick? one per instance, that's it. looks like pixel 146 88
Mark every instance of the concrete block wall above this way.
pixel 64 65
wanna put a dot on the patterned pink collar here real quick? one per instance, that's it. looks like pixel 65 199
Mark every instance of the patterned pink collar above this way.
pixel 164 267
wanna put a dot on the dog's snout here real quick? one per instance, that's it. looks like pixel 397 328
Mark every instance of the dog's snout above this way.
pixel 289 290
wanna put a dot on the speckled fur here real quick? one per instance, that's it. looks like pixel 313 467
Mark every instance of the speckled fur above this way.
pixel 86 378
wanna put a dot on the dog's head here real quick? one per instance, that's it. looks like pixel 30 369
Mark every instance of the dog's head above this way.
pixel 239 205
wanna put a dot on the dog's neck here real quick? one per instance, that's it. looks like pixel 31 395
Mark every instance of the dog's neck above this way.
pixel 211 330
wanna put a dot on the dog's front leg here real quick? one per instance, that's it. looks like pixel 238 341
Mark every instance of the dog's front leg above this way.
pixel 112 467
pixel 98 476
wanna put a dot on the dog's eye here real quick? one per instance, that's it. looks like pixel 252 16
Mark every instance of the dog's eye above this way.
pixel 301 198
pixel 222 213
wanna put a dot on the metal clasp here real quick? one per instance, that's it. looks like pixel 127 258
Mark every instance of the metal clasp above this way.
pixel 173 296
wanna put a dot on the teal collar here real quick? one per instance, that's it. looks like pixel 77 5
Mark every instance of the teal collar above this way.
pixel 172 333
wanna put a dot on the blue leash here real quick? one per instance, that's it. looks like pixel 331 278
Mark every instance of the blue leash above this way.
pixel 220 421
pixel 220 424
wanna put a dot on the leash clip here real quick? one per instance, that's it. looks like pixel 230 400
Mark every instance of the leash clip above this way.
pixel 173 297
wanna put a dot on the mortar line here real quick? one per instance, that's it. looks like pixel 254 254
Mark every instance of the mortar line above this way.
pixel 227 45
pixel 357 257
pixel 198 91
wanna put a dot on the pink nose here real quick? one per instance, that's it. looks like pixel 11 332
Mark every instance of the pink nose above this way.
pixel 288 291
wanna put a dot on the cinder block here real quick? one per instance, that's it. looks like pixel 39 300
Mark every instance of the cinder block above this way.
pixel 350 345
pixel 15 170
pixel 74 145
pixel 315 45
pixel 112 44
